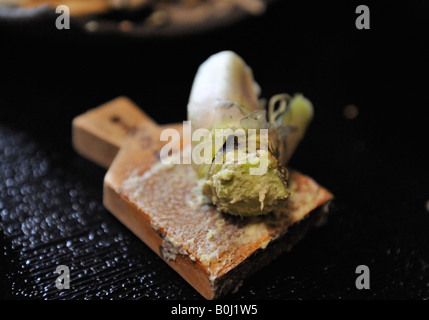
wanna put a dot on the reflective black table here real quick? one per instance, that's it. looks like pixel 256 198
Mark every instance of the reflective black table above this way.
pixel 367 144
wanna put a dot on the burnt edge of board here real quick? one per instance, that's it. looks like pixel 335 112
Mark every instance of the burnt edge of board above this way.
pixel 233 279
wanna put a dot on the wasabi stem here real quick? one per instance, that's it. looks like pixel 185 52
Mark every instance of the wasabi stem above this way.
pixel 224 95
pixel 298 116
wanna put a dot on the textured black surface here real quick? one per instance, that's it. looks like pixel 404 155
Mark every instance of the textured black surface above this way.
pixel 51 210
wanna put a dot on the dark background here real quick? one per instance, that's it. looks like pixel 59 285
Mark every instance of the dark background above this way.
pixel 51 208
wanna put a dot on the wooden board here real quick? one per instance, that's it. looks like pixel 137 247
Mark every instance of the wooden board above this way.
pixel 214 252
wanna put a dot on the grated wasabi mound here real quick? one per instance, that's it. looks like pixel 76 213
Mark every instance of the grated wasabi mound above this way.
pixel 224 95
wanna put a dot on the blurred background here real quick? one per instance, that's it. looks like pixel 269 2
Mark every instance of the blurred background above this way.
pixel 367 143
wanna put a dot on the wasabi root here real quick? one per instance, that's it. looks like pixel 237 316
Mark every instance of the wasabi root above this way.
pixel 225 96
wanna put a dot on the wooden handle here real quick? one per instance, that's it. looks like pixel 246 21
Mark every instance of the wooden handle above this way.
pixel 99 133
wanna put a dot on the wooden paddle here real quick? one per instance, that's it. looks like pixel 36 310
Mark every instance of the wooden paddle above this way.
pixel 212 251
